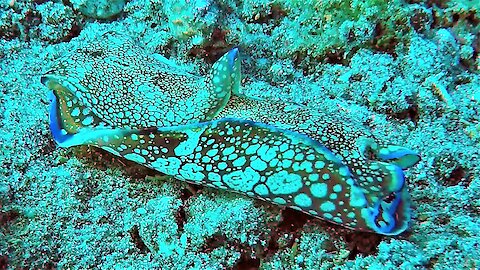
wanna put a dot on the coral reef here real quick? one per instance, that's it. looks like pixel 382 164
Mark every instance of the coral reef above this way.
pixel 99 9
pixel 406 70
pixel 58 22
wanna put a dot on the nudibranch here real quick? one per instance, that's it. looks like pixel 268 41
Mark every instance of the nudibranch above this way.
pixel 126 87
pixel 115 96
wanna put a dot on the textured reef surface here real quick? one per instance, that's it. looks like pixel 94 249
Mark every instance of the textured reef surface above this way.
pixel 403 72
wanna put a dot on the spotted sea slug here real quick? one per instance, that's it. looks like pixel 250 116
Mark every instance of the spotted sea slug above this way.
pixel 113 95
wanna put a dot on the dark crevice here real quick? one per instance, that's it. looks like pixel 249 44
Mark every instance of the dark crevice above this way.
pixel 472 18
pixel 362 243
pixel 411 113
pixel 450 171
pixel 215 241
pixel 3 262
pixel 335 57
pixel 274 15
pixel 9 32
pixel 291 224
pixel 186 193
pixel 73 32
pixel 438 3
pixel 50 265
pixel 6 217
pixel 292 220
pixel 32 19
pixel 272 246
pixel 383 42
pixel 137 240
pixel 456 176
pixel 474 209
pixel 297 59
pixel 67 3
pixel 442 220
pixel 247 263
pixel 462 79
pixel 212 49
pixel 181 218
pixel 421 20
pixel 432 262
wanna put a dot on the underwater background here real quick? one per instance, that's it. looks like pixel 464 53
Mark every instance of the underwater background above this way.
pixel 406 70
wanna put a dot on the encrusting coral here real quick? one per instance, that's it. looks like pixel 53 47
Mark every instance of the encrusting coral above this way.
pixel 405 71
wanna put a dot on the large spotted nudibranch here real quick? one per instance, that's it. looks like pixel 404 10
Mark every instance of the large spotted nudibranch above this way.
pixel 115 96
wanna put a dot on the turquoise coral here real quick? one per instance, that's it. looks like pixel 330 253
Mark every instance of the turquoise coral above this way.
pixel 114 96
pixel 99 9
pixel 77 206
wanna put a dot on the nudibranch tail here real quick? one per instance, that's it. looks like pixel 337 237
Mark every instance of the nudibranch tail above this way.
pixel 276 165
pixel 234 63
pixel 398 155
pixel 224 79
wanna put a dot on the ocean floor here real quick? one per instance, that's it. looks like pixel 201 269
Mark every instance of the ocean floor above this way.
pixel 407 70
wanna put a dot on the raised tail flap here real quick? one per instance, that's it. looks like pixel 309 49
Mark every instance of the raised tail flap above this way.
pixel 224 79
pixel 398 155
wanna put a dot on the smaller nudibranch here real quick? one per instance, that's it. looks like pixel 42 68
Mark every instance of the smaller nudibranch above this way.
pixel 275 151
pixel 122 85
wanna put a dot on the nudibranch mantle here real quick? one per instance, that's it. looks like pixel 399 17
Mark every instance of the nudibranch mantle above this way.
pixel 126 87
pixel 207 133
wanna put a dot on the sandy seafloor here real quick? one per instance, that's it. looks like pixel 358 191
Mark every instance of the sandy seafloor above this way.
pixel 409 71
